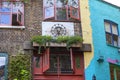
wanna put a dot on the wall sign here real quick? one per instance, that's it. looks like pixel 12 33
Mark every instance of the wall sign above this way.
pixel 114 61
pixel 58 28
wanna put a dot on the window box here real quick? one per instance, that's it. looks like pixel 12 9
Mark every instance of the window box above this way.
pixel 58 44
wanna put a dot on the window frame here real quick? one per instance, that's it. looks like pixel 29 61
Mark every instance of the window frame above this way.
pixel 115 68
pixel 20 24
pixel 47 68
pixel 111 33
pixel 67 7
pixel 6 63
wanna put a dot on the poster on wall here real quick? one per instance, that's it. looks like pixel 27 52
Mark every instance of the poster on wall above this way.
pixel 2 68
pixel 58 28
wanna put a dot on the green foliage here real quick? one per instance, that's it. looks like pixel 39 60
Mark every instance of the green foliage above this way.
pixel 73 40
pixel 25 1
pixel 69 40
pixel 19 68
pixel 62 39
pixel 41 40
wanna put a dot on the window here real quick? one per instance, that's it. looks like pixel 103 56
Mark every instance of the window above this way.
pixel 3 66
pixel 111 30
pixel 62 10
pixel 61 62
pixel 114 72
pixel 11 13
pixel 57 62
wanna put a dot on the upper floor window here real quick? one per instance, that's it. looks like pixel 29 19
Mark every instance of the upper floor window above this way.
pixel 11 13
pixel 61 10
pixel 111 30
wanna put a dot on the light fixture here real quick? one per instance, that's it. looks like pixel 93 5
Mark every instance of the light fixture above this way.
pixel 100 59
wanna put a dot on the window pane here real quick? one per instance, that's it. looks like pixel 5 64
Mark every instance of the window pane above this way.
pixel 49 12
pixel 53 63
pixel 61 3
pixel 5 19
pixel 114 29
pixel 65 63
pixel 74 12
pixel 107 27
pixel 73 3
pixel 17 6
pixel 6 7
pixel 61 62
pixel 37 61
pixel 48 3
pixel 115 40
pixel 61 14
pixel 108 38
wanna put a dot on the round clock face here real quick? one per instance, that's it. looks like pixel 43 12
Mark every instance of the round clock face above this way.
pixel 58 30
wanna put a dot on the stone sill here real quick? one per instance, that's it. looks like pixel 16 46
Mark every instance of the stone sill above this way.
pixel 12 27
pixel 58 45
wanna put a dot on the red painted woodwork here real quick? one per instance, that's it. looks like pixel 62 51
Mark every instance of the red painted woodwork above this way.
pixel 71 55
pixel 81 69
pixel 67 8
pixel 46 61
pixel 75 15
pixel 37 70
pixel 41 72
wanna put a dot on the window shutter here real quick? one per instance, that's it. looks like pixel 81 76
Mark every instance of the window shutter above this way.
pixel 46 61
pixel 74 13
pixel 48 9
pixel 71 55
pixel 19 17
pixel 74 9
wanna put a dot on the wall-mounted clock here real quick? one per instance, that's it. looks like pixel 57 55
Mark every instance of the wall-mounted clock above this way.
pixel 58 30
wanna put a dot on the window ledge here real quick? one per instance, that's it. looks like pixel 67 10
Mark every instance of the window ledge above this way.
pixel 14 27
pixel 113 46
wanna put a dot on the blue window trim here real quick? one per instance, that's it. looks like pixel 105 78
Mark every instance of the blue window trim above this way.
pixel 111 33
pixel 6 64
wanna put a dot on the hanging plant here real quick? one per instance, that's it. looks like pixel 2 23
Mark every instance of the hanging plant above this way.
pixel 41 40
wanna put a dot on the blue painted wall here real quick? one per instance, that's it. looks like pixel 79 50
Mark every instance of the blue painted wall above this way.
pixel 98 12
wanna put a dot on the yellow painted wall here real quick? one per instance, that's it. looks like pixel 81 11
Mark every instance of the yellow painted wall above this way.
pixel 86 30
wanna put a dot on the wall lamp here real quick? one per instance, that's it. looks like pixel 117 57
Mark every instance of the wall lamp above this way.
pixel 100 59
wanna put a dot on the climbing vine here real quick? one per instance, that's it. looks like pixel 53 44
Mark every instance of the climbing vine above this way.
pixel 19 68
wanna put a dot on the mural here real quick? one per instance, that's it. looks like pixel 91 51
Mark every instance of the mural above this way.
pixel 2 68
